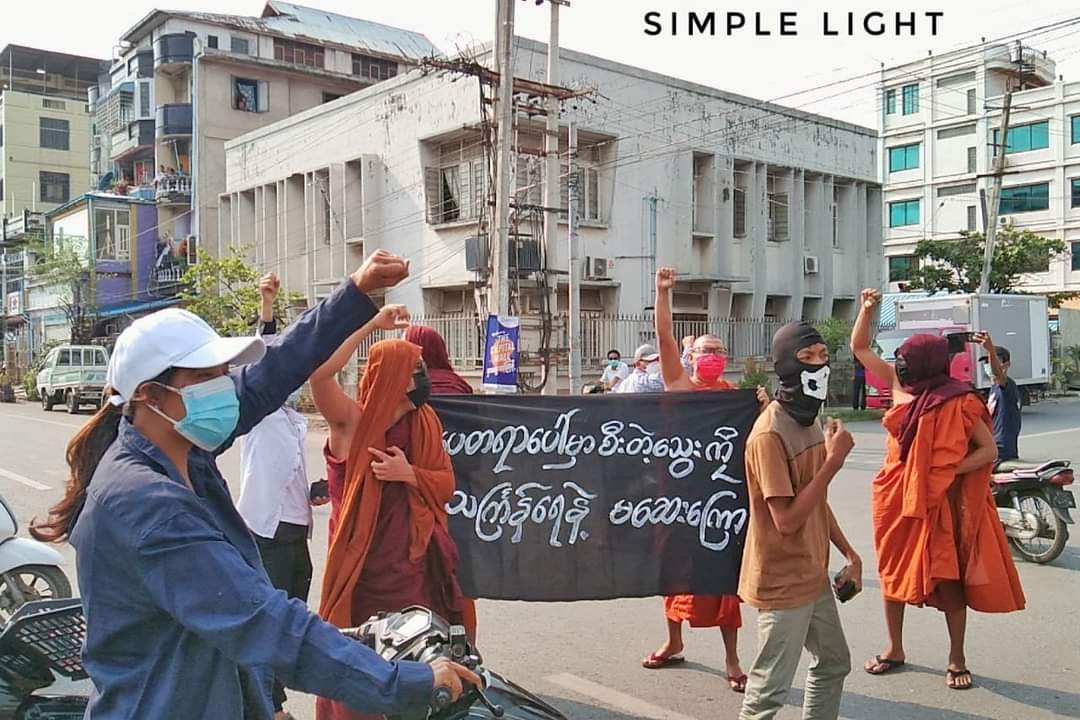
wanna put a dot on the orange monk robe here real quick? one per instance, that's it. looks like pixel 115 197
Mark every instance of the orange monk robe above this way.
pixel 932 526
pixel 706 610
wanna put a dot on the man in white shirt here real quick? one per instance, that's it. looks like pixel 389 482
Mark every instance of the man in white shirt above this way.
pixel 275 497
pixel 615 371
pixel 645 377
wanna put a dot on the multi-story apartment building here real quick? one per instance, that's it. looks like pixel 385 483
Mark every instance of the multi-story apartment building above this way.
pixel 44 128
pixel 766 211
pixel 187 82
pixel 940 121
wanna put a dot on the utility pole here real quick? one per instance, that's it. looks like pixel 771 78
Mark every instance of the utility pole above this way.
pixel 552 196
pixel 499 298
pixel 995 188
pixel 575 265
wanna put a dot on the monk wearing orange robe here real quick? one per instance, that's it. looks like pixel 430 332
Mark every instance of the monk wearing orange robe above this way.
pixel 936 529
pixel 707 361
pixel 389 481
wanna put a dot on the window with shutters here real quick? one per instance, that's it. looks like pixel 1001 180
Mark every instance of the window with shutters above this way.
pixel 455 188
pixel 373 68
pixel 240 46
pixel 972 159
pixel 972 217
pixel 212 41
pixel 299 53
pixel 739 210
pixel 778 216
pixel 954 132
pixel 588 194
pixel 971 102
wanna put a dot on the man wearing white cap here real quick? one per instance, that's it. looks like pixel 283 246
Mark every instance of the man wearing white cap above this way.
pixel 182 621
pixel 645 377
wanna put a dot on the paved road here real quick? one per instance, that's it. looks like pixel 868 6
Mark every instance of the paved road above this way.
pixel 584 657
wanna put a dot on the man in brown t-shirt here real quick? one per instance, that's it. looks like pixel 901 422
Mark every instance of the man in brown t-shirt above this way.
pixel 789 465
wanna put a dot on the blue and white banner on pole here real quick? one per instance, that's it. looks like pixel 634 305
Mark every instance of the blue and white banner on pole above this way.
pixel 501 354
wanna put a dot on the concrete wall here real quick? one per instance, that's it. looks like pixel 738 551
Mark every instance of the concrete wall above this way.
pixel 23 158
pixel 642 137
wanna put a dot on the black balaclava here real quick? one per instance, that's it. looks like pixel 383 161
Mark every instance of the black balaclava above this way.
pixel 803 387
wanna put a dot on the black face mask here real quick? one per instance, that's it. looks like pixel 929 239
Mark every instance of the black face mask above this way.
pixel 797 377
pixel 900 364
pixel 422 393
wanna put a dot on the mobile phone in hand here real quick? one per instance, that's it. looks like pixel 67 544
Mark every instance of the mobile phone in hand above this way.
pixel 958 340
pixel 320 489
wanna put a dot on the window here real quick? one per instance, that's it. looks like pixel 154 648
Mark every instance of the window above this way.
pixel 972 218
pixel 905 157
pixel 1025 198
pixel 1075 121
pixel 240 46
pixel 112 234
pixel 330 97
pixel 954 80
pixel 1024 138
pixel 972 158
pixel 778 216
pixel 146 111
pixel 1 136
pixel 1076 257
pixel 211 41
pixel 53 104
pixel 905 212
pixel 835 221
pixel 972 106
pixel 251 95
pixel 890 102
pixel 54 134
pixel 911 99
pixel 456 189
pixel 902 267
pixel 588 195
pixel 739 204
pixel 1 189
pixel 1076 192
pixel 55 187
pixel 299 53
pixel 954 190
pixel 954 132
pixel 373 68
pixel 64 359
pixel 133 65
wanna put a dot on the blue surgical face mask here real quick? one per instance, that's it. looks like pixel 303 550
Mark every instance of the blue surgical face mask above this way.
pixel 212 412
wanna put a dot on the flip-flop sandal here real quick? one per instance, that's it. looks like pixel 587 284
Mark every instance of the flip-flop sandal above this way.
pixel 737 684
pixel 883 665
pixel 951 676
pixel 656 662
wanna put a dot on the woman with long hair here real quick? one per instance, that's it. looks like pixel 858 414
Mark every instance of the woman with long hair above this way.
pixel 936 529
pixel 182 621
pixel 389 480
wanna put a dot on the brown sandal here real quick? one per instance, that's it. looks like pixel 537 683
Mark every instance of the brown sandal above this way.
pixel 952 676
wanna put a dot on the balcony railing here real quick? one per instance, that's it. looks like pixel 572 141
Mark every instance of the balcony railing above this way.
pixel 173 189
pixel 174 120
pixel 174 49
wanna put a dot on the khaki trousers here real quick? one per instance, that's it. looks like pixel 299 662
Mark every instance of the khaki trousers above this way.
pixel 782 634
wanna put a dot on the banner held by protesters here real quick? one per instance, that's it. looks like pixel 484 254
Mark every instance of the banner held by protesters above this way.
pixel 570 498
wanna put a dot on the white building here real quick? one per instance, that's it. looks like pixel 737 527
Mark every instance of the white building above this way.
pixel 765 210
pixel 939 121
pixel 186 82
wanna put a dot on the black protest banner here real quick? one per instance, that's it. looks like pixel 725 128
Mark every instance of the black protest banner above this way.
pixel 598 497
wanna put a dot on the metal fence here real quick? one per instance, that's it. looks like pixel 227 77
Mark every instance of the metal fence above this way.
pixel 464 335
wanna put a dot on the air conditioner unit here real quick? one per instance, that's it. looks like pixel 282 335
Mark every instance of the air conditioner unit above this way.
pixel 1003 220
pixel 596 268
pixel 810 264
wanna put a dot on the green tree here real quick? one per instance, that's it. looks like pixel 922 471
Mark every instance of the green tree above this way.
pixel 956 265
pixel 62 266
pixel 224 292
pixel 835 332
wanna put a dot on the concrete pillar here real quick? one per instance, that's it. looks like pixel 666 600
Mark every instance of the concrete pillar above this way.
pixel 797 231
pixel 827 258
pixel 757 220
pixel 859 256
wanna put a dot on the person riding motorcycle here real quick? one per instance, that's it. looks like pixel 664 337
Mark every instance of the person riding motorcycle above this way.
pixel 182 621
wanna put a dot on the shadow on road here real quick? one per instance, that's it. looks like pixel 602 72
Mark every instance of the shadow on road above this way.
pixel 583 711
pixel 1069 559
pixel 1055 700
pixel 855 705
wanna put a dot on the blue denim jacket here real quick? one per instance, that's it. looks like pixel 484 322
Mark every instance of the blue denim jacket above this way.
pixel 182 621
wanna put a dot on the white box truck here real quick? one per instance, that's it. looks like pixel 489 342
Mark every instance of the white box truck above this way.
pixel 1016 322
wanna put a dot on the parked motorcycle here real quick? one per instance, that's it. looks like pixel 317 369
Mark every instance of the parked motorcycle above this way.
pixel 41 672
pixel 420 635
pixel 29 570
pixel 1033 505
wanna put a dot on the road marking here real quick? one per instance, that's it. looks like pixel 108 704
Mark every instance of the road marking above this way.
pixel 23 480
pixel 1050 433
pixel 40 420
pixel 615 699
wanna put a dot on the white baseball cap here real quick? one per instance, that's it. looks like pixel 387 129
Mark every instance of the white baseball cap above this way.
pixel 172 338
pixel 647 353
